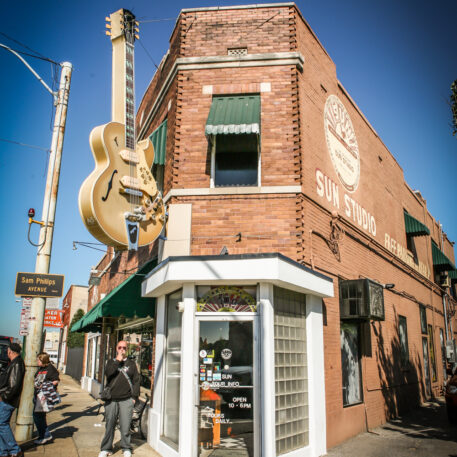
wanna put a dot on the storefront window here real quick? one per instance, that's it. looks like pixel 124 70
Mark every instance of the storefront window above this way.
pixel 291 377
pixel 89 372
pixel 432 352
pixel 403 335
pixel 97 356
pixel 172 369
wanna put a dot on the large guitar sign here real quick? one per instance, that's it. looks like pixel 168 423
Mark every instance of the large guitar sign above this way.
pixel 119 202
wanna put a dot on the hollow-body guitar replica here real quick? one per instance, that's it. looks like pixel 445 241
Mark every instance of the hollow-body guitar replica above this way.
pixel 119 202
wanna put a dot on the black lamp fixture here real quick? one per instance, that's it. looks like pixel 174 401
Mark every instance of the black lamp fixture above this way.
pixel 389 286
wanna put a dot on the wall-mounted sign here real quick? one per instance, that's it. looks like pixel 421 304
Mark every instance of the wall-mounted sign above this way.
pixel 342 143
pixel 53 318
pixel 39 285
pixel 227 299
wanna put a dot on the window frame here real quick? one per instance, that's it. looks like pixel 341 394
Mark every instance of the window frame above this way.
pixel 212 183
pixel 404 352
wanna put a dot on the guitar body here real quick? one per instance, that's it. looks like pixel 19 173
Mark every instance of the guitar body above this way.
pixel 121 184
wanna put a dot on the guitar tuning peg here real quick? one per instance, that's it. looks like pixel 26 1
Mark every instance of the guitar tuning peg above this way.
pixel 108 19
pixel 137 36
pixel 107 32
pixel 137 23
pixel 108 26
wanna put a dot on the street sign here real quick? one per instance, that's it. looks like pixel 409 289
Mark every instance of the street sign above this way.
pixel 39 285
pixel 53 318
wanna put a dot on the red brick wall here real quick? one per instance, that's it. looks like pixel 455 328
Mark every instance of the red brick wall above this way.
pixel 293 147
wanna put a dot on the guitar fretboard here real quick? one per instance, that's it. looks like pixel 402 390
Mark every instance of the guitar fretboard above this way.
pixel 129 98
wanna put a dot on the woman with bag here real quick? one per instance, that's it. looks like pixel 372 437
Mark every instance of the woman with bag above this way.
pixel 123 389
pixel 46 380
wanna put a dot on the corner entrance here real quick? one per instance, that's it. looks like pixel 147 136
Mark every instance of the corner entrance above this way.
pixel 226 387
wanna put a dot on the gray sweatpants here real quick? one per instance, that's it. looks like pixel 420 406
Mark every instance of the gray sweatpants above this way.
pixel 124 410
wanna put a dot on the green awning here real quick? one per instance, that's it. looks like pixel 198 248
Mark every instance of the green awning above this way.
pixel 415 227
pixel 124 300
pixel 452 274
pixel 440 261
pixel 159 140
pixel 234 115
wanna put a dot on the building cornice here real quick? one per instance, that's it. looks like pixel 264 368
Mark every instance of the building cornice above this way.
pixel 213 62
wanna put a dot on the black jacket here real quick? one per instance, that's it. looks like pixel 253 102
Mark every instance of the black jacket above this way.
pixel 120 390
pixel 11 382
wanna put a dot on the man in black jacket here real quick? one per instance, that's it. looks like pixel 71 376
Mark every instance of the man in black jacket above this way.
pixel 124 381
pixel 10 393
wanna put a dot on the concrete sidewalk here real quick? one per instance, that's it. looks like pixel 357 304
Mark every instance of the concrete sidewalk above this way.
pixel 424 432
pixel 78 429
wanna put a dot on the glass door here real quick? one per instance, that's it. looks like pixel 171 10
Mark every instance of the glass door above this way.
pixel 226 388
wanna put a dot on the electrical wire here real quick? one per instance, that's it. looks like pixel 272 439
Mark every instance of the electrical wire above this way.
pixel 25 144
pixel 149 55
pixel 21 44
pixel 35 56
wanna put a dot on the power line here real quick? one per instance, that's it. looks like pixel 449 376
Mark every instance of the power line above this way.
pixel 142 21
pixel 149 55
pixel 34 56
pixel 25 144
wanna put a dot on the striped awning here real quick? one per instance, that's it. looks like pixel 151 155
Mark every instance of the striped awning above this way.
pixel 234 115
pixel 159 140
pixel 414 227
pixel 440 260
pixel 453 274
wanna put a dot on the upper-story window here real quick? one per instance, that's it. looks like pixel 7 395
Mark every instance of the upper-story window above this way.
pixel 233 130
pixel 413 228
pixel 159 140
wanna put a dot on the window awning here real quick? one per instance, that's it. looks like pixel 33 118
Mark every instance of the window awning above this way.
pixel 453 275
pixel 415 227
pixel 234 115
pixel 124 300
pixel 440 261
pixel 159 140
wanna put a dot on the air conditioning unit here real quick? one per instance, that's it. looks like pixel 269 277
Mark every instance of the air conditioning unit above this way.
pixel 445 281
pixel 450 351
pixel 361 299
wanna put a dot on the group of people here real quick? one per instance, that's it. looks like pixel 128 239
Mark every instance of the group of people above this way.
pixel 123 383
pixel 11 380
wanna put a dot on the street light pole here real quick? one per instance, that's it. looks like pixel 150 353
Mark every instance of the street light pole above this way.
pixel 24 423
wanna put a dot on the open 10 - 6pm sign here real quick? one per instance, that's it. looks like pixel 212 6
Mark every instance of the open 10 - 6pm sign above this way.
pixel 39 285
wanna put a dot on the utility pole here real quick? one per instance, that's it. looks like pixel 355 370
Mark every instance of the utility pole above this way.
pixel 24 423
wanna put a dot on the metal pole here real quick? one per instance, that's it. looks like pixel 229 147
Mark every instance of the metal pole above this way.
pixel 24 424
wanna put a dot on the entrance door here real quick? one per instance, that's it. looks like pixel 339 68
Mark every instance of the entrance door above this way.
pixel 226 388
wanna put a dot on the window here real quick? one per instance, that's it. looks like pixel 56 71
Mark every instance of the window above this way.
pixel 443 353
pixel 97 343
pixel 350 363
pixel 432 352
pixel 172 369
pixel 235 160
pixel 291 376
pixel 423 318
pixel 403 337
pixel 89 372
pixel 233 130
pixel 159 140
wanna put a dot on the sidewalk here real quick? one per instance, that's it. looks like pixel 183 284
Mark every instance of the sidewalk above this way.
pixel 77 429
pixel 425 432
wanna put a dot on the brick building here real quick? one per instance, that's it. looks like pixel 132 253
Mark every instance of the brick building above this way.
pixel 290 222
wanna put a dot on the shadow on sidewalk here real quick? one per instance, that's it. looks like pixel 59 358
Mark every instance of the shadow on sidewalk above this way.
pixel 426 422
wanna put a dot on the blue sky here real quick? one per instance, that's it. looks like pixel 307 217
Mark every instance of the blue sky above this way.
pixel 396 59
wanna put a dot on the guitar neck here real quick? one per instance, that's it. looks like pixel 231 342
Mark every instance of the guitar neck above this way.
pixel 123 88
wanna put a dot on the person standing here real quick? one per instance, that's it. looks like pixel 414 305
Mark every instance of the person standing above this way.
pixel 10 394
pixel 46 376
pixel 124 381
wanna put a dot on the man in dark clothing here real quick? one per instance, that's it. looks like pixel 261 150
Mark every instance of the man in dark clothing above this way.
pixel 124 380
pixel 10 393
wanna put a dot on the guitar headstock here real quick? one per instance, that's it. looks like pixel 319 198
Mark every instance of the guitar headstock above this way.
pixel 122 23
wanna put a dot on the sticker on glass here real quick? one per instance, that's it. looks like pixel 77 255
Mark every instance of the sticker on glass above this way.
pixel 207 361
pixel 202 354
pixel 226 354
pixel 205 385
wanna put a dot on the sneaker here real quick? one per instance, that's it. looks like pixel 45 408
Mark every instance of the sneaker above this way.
pixel 104 453
pixel 44 440
pixel 127 453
